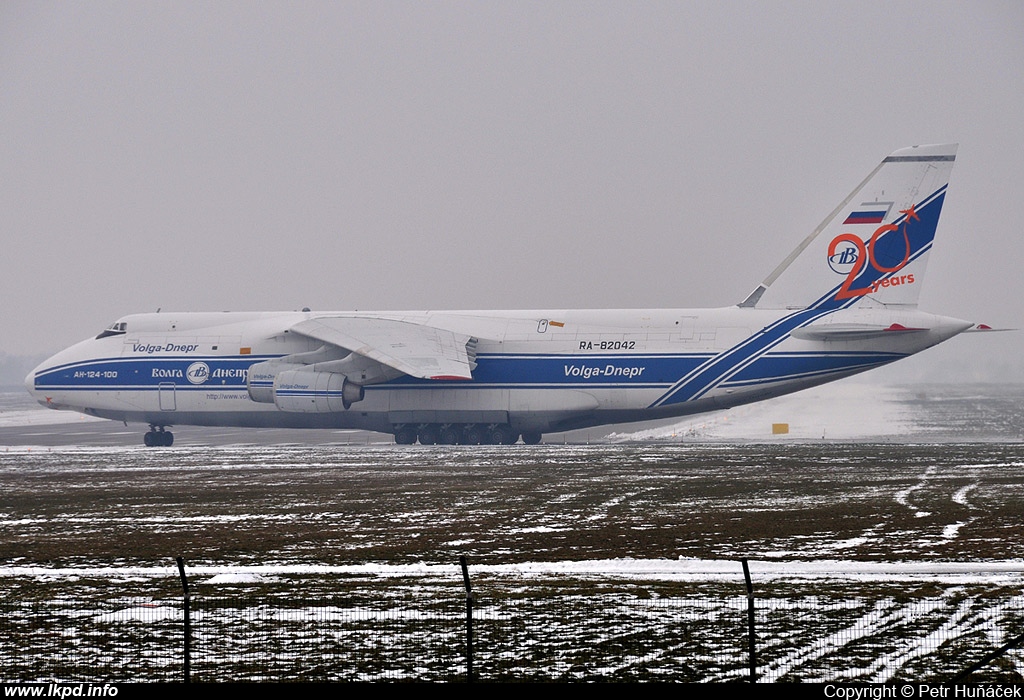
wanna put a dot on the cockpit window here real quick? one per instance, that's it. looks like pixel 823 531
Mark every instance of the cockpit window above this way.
pixel 116 328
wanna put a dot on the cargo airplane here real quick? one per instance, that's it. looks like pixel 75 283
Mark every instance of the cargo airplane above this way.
pixel 843 302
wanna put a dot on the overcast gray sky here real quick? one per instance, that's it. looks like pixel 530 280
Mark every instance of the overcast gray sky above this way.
pixel 389 155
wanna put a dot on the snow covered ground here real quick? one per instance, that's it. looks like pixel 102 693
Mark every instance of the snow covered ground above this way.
pixel 1006 573
pixel 845 411
pixel 889 550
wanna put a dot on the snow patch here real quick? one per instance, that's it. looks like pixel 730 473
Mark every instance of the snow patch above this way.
pixel 840 411
pixel 236 578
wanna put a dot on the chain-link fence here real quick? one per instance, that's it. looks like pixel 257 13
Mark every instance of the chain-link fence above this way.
pixel 533 630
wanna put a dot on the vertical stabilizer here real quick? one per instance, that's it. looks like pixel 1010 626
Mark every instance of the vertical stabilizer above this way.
pixel 873 248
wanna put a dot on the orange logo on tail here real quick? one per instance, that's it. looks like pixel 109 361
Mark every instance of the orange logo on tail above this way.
pixel 861 254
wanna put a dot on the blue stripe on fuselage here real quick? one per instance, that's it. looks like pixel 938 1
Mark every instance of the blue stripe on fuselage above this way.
pixel 493 371
pixel 723 367
pixel 774 367
pixel 136 372
pixel 574 370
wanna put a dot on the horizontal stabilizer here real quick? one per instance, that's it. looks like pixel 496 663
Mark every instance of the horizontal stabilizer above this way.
pixel 851 331
pixel 985 328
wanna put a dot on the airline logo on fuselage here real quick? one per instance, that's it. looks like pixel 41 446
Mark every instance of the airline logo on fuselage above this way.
pixel 197 372
pixel 200 373
pixel 591 371
pixel 169 347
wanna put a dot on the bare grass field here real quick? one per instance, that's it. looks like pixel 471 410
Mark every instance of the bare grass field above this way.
pixel 247 505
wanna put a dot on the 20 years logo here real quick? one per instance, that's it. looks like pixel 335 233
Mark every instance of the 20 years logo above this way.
pixel 849 255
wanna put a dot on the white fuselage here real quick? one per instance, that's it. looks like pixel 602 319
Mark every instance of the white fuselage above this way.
pixel 537 371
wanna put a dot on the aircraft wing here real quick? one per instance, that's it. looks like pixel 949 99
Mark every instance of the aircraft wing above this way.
pixel 415 349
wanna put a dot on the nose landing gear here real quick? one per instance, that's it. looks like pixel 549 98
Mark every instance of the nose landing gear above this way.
pixel 158 437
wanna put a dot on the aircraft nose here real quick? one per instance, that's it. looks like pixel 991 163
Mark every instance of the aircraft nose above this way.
pixel 30 384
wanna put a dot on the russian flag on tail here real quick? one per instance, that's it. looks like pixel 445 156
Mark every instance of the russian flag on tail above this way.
pixel 869 213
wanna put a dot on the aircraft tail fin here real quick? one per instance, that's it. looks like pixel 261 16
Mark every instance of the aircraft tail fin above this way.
pixel 873 248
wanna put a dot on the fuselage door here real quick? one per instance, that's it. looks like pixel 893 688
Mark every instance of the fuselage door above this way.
pixel 166 392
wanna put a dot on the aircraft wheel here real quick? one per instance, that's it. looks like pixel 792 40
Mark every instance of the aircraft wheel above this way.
pixel 449 435
pixel 503 435
pixel 405 435
pixel 473 435
pixel 531 438
pixel 429 434
pixel 158 438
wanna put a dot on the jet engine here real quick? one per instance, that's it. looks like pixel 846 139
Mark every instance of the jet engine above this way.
pixel 260 379
pixel 315 382
pixel 306 391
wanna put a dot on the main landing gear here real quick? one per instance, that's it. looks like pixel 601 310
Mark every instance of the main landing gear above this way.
pixel 462 434
pixel 158 437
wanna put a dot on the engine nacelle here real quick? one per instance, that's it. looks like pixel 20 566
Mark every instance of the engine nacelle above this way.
pixel 261 376
pixel 306 391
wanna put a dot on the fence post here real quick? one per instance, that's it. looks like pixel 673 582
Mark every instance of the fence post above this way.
pixel 985 660
pixel 187 604
pixel 469 619
pixel 750 622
